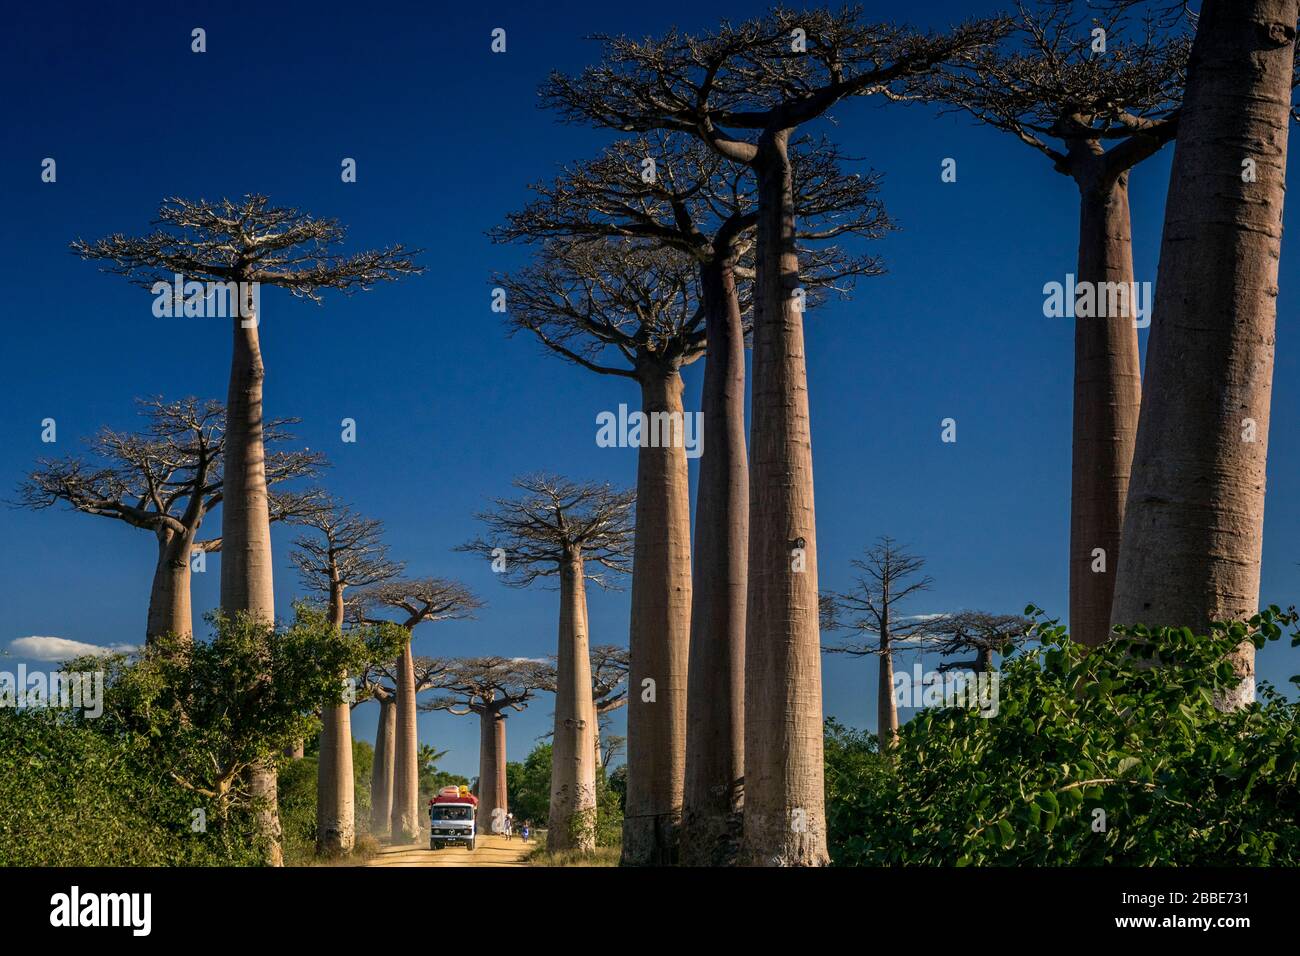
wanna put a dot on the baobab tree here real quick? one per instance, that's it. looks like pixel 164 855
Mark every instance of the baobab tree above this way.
pixel 1193 528
pixel 165 479
pixel 1096 95
pixel 637 302
pixel 669 189
pixel 236 247
pixel 576 531
pixel 341 550
pixel 890 574
pixel 610 666
pixel 745 90
pixel 379 682
pixel 416 601
pixel 489 687
pixel 979 632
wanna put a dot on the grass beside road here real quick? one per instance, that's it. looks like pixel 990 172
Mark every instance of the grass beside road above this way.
pixel 601 856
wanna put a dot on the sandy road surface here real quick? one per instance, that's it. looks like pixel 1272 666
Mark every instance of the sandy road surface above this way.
pixel 490 850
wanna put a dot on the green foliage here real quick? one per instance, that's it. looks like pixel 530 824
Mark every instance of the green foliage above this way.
pixel 363 763
pixel 179 729
pixel 297 798
pixel 529 786
pixel 1129 729
pixel 431 778
pixel 70 796
pixel 609 812
pixel 212 709
pixel 856 774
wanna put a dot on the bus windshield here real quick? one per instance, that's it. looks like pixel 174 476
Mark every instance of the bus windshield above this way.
pixel 452 813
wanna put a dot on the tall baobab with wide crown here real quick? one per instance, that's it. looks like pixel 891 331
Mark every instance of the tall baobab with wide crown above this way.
pixel 236 247
pixel 416 601
pixel 489 687
pixel 745 90
pixel 1193 529
pixel 341 550
pixel 889 575
pixel 638 303
pixel 566 529
pixel 166 479
pixel 379 682
pixel 669 189
pixel 1095 105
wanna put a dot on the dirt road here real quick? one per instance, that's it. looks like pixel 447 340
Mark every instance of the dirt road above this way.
pixel 490 850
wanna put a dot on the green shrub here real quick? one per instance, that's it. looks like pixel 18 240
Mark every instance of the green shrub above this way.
pixel 1110 755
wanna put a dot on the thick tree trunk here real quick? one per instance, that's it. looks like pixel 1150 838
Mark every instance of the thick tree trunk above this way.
pixel 336 823
pixel 492 799
pixel 405 818
pixel 660 632
pixel 785 819
pixel 169 598
pixel 1107 395
pixel 381 774
pixel 572 820
pixel 1194 524
pixel 715 708
pixel 246 582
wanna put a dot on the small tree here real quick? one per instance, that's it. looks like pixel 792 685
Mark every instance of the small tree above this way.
pixel 560 527
pixel 488 687
pixel 981 633
pixel 214 709
pixel 890 575
pixel 416 601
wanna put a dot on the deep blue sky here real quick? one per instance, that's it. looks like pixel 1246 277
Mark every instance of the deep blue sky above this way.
pixel 447 136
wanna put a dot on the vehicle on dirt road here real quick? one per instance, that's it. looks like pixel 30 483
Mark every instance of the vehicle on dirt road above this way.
pixel 451 818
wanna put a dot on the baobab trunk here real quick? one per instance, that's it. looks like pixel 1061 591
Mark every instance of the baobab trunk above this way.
pixel 335 785
pixel 405 815
pixel 381 773
pixel 660 629
pixel 1194 523
pixel 785 820
pixel 886 703
pixel 492 798
pixel 1107 396
pixel 169 598
pixel 572 820
pixel 246 582
pixel 715 706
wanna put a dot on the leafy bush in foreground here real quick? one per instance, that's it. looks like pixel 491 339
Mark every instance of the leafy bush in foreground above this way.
pixel 1109 755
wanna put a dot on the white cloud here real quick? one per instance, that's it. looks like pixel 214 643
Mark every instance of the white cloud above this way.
pixel 62 649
